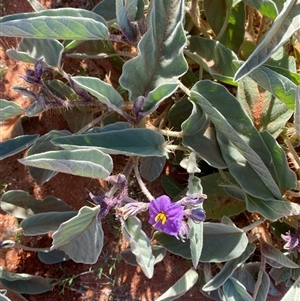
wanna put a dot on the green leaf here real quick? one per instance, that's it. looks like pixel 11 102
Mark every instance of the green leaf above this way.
pixel 106 9
pixel 233 35
pixel 218 202
pixel 266 111
pixel 151 167
pixel 293 294
pixel 9 109
pixel 214 57
pixel 277 84
pixel 233 242
pixel 196 241
pixel 184 284
pixel 273 253
pixel 165 62
pixel 198 134
pixel 242 147
pixel 234 290
pixel 89 163
pixel 156 96
pixel 52 257
pixel 264 288
pixel 265 7
pixel 139 244
pixel 128 29
pixel 81 237
pixel 228 269
pixel 30 50
pixel 104 92
pixel 22 205
pixel 43 223
pixel 272 209
pixel 41 145
pixel 286 178
pixel 63 23
pixel 171 187
pixel 15 145
pixel 286 23
pixel 24 283
pixel 130 141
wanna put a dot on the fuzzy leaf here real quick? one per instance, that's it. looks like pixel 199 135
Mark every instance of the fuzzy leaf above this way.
pixel 9 109
pixel 64 24
pixel 15 145
pixel 265 7
pixel 273 253
pixel 185 283
pixel 24 283
pixel 293 294
pixel 232 240
pixel 234 290
pixel 139 244
pixel 266 111
pixel 90 163
pixel 242 147
pixel 165 62
pixel 81 237
pixel 43 223
pixel 129 141
pixel 22 205
pixel 228 269
pixel 286 23
pixel 30 50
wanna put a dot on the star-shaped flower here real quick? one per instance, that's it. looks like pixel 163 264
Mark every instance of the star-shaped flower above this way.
pixel 165 215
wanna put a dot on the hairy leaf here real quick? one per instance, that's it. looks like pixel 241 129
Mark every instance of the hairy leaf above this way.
pixel 90 163
pixel 286 23
pixel 165 62
pixel 64 24
pixel 185 283
pixel 81 237
pixel 9 109
pixel 22 205
pixel 139 244
pixel 234 290
pixel 130 141
pixel 15 145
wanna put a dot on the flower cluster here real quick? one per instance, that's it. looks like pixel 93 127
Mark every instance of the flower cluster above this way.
pixel 292 240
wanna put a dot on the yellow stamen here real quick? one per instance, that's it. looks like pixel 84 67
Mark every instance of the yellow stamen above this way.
pixel 161 216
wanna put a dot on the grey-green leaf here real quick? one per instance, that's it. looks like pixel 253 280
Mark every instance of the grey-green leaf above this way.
pixel 234 290
pixel 293 293
pixel 43 223
pixel 265 7
pixel 273 253
pixel 24 283
pixel 129 141
pixel 286 23
pixel 22 205
pixel 64 24
pixel 15 145
pixel 140 245
pixel 9 109
pixel 30 50
pixel 90 163
pixel 233 242
pixel 241 145
pixel 104 92
pixel 82 230
pixel 228 269
pixel 185 283
pixel 165 62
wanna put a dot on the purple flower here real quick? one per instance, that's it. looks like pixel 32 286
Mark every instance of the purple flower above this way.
pixel 166 216
pixel 292 240
pixel 197 215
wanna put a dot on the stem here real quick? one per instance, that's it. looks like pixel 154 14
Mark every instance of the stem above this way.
pixel 166 132
pixel 92 123
pixel 292 150
pixel 141 183
pixel 184 88
pixel 176 147
pixel 253 225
